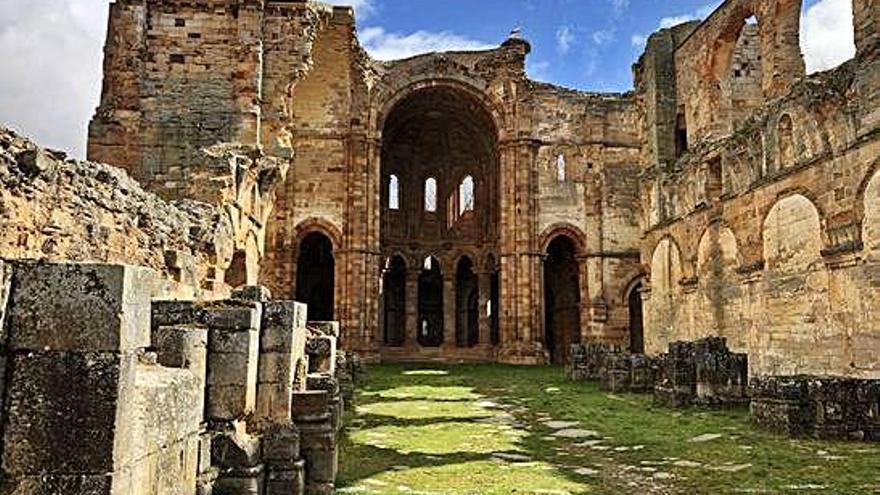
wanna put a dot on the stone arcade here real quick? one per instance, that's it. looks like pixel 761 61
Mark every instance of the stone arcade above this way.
pixel 443 207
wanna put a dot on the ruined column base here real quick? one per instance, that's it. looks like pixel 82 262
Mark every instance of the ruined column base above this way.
pixel 523 353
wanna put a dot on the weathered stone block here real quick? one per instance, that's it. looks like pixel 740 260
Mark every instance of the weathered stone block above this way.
pixel 281 446
pixel 231 369
pixel 168 406
pixel 176 313
pixel 235 450
pixel 322 354
pixel 291 482
pixel 68 399
pixel 244 482
pixel 781 405
pixel 328 328
pixel 281 330
pixel 252 293
pixel 80 307
pixel 182 347
pixel 229 402
pixel 243 316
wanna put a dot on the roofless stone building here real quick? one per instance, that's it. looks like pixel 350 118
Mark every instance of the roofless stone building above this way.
pixel 443 207
pixel 446 206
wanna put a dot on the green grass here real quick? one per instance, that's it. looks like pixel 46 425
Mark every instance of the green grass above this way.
pixel 480 430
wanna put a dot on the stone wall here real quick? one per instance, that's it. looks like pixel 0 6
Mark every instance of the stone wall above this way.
pixel 159 397
pixel 58 209
pixel 761 231
pixel 704 171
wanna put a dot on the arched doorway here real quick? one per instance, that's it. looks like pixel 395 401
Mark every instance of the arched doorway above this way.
pixel 431 304
pixel 562 320
pixel 315 276
pixel 467 304
pixel 394 286
pixel 636 320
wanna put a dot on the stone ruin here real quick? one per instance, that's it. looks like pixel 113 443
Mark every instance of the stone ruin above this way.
pixel 702 373
pixel 231 396
pixel 706 373
pixel 827 408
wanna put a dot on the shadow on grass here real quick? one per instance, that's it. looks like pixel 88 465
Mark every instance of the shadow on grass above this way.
pixel 497 407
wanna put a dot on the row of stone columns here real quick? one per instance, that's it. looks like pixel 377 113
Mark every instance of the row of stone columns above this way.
pixel 484 286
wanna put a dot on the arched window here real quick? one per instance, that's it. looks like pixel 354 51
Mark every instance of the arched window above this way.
pixel 466 195
pixel 431 195
pixel 560 168
pixel 393 193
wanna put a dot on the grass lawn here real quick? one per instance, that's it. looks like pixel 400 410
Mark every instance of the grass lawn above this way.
pixel 491 429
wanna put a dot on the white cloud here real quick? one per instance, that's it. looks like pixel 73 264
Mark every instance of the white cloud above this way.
pixel 603 37
pixel 538 70
pixel 620 5
pixel 363 8
pixel 564 39
pixel 51 78
pixel 383 45
pixel 638 41
pixel 827 34
pixel 699 14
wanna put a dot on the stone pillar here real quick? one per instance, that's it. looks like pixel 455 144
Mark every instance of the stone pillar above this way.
pixel 233 353
pixel 87 412
pixel 449 308
pixel 594 308
pixel 412 308
pixel 484 282
pixel 282 348
pixel 318 445
pixel 521 318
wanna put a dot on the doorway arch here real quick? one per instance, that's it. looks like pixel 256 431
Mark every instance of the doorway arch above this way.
pixel 315 276
pixel 394 286
pixel 562 325
pixel 467 304
pixel 636 319
pixel 430 324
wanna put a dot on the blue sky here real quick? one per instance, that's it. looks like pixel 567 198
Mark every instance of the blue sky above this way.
pixel 52 49
pixel 583 44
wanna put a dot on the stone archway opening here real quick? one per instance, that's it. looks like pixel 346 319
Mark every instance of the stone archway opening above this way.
pixel 439 173
pixel 430 331
pixel 467 304
pixel 562 325
pixel 394 288
pixel 636 319
pixel 315 276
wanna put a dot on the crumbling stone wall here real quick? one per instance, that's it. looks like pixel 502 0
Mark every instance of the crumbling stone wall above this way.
pixel 59 209
pixel 299 81
pixel 723 123
pixel 757 232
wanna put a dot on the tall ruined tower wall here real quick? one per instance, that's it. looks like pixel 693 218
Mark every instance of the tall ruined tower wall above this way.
pixel 759 192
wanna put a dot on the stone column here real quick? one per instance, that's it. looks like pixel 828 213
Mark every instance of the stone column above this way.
pixel 484 286
pixel 412 309
pixel 521 322
pixel 449 316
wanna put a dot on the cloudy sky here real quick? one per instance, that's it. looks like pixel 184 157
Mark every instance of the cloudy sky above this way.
pixel 52 49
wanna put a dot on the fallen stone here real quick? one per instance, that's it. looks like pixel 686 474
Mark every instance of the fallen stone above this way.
pixel 560 425
pixel 708 437
pixel 575 433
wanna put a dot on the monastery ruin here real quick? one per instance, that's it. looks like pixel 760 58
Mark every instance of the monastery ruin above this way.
pixel 249 153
